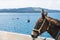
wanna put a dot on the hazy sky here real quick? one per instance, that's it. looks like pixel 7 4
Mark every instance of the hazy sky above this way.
pixel 50 4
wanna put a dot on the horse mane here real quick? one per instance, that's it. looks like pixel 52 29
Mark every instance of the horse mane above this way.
pixel 56 22
pixel 54 19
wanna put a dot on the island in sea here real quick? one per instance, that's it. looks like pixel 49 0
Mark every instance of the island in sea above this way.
pixel 27 10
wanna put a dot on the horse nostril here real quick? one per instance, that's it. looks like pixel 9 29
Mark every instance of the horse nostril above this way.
pixel 33 36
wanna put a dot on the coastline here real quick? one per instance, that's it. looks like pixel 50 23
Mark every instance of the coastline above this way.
pixel 4 35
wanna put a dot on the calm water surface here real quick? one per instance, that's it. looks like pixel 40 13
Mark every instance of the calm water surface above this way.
pixel 18 22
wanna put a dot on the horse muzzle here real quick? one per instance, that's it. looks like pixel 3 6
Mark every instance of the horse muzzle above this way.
pixel 34 36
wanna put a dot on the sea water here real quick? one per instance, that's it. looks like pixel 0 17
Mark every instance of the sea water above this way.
pixel 18 22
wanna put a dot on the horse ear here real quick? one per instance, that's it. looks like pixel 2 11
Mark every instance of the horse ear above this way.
pixel 43 13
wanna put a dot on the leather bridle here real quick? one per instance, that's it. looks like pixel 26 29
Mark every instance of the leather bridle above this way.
pixel 41 26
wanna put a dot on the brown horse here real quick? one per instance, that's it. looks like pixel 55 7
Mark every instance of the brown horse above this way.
pixel 46 23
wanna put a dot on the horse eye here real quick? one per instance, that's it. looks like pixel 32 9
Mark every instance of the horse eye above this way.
pixel 39 24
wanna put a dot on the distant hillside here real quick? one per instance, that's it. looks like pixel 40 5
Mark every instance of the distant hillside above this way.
pixel 27 10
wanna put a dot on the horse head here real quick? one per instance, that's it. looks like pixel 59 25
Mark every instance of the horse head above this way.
pixel 41 25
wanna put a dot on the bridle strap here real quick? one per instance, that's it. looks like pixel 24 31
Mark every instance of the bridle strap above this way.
pixel 57 35
pixel 48 26
pixel 41 26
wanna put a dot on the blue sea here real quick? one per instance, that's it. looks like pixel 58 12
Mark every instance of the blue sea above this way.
pixel 18 22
